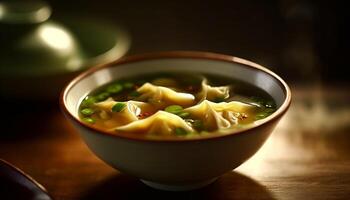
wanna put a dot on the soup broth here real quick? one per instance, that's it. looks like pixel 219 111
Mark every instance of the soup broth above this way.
pixel 175 105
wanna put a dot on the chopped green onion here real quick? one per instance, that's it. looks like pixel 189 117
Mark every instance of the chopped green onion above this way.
pixel 115 88
pixel 128 85
pixel 89 120
pixel 180 131
pixel 262 115
pixel 87 111
pixel 118 107
pixel 175 109
pixel 269 110
pixel 198 124
pixel 88 101
pixel 183 114
pixel 134 94
pixel 102 96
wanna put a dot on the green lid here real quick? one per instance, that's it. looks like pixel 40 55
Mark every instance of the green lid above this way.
pixel 15 12
pixel 34 45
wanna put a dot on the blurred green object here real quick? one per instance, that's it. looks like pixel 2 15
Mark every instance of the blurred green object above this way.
pixel 38 55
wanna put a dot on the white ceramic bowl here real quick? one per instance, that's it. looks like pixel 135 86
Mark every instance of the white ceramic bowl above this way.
pixel 176 164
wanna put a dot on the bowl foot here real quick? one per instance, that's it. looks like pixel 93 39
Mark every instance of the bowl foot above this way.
pixel 175 187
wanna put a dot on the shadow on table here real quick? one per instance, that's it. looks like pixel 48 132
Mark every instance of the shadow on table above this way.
pixel 27 119
pixel 230 186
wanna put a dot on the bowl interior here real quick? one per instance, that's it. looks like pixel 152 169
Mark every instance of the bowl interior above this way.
pixel 238 69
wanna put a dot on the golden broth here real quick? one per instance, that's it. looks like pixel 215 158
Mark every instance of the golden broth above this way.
pixel 207 104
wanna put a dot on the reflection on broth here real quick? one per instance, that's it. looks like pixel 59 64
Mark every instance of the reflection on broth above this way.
pixel 175 105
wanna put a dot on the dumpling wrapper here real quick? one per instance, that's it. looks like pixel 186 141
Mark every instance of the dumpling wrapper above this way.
pixel 127 115
pixel 160 123
pixel 234 106
pixel 211 93
pixel 163 96
pixel 219 115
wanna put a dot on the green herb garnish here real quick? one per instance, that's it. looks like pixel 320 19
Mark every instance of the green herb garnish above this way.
pixel 269 110
pixel 261 115
pixel 183 114
pixel 115 88
pixel 88 101
pixel 134 94
pixel 128 85
pixel 174 109
pixel 89 120
pixel 102 96
pixel 266 112
pixel 180 131
pixel 198 124
pixel 118 107
pixel 87 111
pixel 177 110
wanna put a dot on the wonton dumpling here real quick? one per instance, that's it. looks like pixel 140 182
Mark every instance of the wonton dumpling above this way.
pixel 218 115
pixel 211 93
pixel 162 96
pixel 212 119
pixel 234 106
pixel 129 114
pixel 160 123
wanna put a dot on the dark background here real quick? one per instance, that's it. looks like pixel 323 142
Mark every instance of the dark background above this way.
pixel 305 42
pixel 300 40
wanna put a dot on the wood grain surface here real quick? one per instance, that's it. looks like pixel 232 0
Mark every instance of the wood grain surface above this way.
pixel 306 157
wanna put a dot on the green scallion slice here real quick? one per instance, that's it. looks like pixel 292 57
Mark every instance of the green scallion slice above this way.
pixel 198 125
pixel 174 109
pixel 118 107
pixel 134 94
pixel 115 88
pixel 183 114
pixel 128 85
pixel 89 120
pixel 102 96
pixel 180 131
pixel 87 111
pixel 88 101
pixel 262 115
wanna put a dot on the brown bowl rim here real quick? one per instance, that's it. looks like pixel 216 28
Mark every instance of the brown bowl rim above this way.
pixel 179 55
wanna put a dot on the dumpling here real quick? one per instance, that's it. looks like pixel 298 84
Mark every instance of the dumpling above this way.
pixel 129 114
pixel 234 106
pixel 162 96
pixel 212 119
pixel 219 115
pixel 212 93
pixel 159 123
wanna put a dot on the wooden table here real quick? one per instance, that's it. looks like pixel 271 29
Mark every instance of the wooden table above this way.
pixel 306 157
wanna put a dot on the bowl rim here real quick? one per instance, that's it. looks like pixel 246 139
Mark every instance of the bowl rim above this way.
pixel 177 55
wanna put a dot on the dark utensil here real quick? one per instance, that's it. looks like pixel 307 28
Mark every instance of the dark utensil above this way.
pixel 15 184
